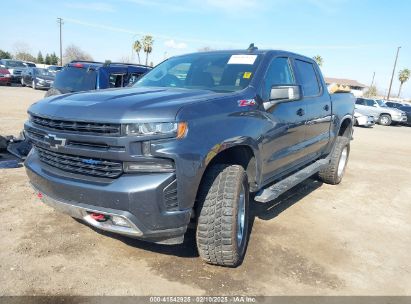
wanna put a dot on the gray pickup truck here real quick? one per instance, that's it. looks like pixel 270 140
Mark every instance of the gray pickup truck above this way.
pixel 188 143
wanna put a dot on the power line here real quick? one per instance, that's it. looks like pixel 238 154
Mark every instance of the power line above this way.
pixel 60 22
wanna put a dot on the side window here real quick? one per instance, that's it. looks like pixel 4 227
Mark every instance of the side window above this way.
pixel 360 101
pixel 279 73
pixel 116 80
pixel 369 102
pixel 309 80
pixel 133 78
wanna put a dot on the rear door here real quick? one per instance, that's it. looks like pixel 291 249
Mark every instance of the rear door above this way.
pixel 318 108
pixel 285 122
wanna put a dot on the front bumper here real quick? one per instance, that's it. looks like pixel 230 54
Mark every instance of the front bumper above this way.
pixel 43 85
pixel 399 118
pixel 136 198
pixel 16 78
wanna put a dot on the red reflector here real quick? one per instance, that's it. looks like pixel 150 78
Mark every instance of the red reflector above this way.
pixel 77 65
pixel 98 217
pixel 39 195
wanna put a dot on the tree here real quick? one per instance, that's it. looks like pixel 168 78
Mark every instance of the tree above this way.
pixel 319 60
pixel 147 45
pixel 137 48
pixel 54 60
pixel 403 77
pixel 25 56
pixel 73 52
pixel 5 55
pixel 40 58
pixel 371 92
pixel 47 59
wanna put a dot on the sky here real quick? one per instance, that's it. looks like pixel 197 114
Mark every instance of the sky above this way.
pixel 355 38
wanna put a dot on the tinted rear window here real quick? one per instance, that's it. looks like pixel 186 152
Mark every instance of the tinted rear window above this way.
pixel 72 79
pixel 309 80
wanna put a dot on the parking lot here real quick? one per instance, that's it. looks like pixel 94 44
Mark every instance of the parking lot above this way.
pixel 317 239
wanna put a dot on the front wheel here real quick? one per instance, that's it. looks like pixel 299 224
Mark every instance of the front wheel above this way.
pixel 223 221
pixel 33 85
pixel 385 120
pixel 334 171
pixel 22 82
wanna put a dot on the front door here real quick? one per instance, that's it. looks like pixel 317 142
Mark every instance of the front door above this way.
pixel 285 122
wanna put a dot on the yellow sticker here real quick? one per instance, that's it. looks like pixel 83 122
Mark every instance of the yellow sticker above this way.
pixel 247 75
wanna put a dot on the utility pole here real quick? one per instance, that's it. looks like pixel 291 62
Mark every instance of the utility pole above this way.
pixel 372 82
pixel 60 22
pixel 393 72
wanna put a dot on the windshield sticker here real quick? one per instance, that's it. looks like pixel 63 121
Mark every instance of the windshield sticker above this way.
pixel 242 59
pixel 247 75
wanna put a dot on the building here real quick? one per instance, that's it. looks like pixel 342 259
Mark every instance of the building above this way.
pixel 354 86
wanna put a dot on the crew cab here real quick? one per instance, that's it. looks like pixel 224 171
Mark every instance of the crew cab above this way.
pixel 78 76
pixel 188 143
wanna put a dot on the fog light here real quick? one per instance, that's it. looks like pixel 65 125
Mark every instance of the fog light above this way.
pixel 120 221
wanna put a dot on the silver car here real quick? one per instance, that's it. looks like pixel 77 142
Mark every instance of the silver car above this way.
pixel 363 120
pixel 377 108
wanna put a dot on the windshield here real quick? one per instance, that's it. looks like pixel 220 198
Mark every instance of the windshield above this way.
pixel 14 64
pixel 43 72
pixel 215 72
pixel 73 79
pixel 381 103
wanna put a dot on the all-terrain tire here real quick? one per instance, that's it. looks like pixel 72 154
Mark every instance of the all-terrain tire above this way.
pixel 223 199
pixel 334 171
pixel 385 120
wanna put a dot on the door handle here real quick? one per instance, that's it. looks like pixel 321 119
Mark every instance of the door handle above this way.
pixel 300 112
pixel 326 107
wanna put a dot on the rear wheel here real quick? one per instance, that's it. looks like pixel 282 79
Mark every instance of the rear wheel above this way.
pixel 22 83
pixel 385 120
pixel 334 171
pixel 223 221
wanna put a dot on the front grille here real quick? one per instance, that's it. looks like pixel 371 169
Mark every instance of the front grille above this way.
pixel 76 126
pixel 81 165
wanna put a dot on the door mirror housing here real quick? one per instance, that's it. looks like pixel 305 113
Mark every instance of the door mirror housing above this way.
pixel 283 93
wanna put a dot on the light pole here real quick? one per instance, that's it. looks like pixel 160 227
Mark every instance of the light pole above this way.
pixel 393 72
pixel 60 22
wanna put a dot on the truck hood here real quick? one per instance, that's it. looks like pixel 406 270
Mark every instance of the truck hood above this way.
pixel 121 105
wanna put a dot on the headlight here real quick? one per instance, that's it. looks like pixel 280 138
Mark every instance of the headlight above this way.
pixel 39 79
pixel 172 129
pixel 154 165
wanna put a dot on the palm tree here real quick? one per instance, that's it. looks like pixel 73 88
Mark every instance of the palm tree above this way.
pixel 403 76
pixel 148 45
pixel 319 60
pixel 137 48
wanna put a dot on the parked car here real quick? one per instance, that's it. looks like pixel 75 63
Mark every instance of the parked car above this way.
pixel 54 68
pixel 403 107
pixel 29 64
pixel 363 119
pixel 15 68
pixel 37 78
pixel 189 142
pixel 5 77
pixel 85 76
pixel 384 115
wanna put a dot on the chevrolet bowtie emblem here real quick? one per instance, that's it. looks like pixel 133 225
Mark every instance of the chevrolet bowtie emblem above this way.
pixel 54 141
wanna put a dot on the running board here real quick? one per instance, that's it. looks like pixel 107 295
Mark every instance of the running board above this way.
pixel 274 191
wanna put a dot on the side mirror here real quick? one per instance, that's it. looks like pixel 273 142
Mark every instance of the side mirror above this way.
pixel 283 93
